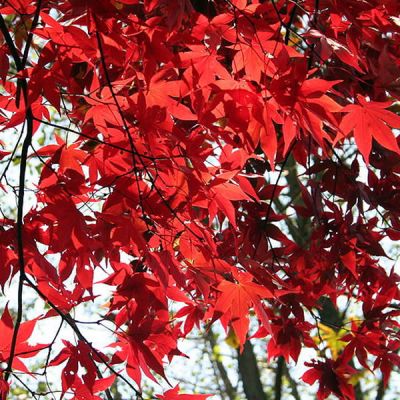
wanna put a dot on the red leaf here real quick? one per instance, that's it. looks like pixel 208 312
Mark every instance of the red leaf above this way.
pixel 22 348
pixel 368 120
pixel 236 299
pixel 173 394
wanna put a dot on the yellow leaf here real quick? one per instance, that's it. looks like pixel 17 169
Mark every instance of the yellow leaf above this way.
pixel 332 339
pixel 232 340
pixel 118 5
pixel 355 378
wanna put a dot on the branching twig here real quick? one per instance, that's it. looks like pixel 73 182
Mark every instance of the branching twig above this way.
pixel 21 189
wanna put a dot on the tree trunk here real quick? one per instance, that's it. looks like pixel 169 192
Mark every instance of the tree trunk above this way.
pixel 250 374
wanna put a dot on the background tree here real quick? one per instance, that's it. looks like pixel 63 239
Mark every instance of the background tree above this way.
pixel 220 163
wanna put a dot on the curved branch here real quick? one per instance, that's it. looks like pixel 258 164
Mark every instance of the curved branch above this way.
pixel 21 189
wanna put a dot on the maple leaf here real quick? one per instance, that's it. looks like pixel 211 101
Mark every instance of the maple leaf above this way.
pixel 222 195
pixel 306 105
pixel 263 131
pixel 199 61
pixel 22 349
pixel 288 336
pixel 4 388
pixel 334 339
pixel 370 119
pixel 331 46
pixel 260 56
pixel 332 376
pixel 80 355
pixel 68 157
pixel 236 299
pixel 167 93
pixel 173 394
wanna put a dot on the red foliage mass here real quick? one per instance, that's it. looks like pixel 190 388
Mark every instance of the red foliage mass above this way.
pixel 178 111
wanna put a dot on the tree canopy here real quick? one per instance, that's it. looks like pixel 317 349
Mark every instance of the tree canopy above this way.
pixel 224 162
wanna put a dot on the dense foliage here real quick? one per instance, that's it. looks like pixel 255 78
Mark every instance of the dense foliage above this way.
pixel 172 124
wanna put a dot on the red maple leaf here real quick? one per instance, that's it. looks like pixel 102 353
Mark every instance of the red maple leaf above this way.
pixel 368 120
pixel 332 377
pixel 236 299
pixel 173 394
pixel 22 349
